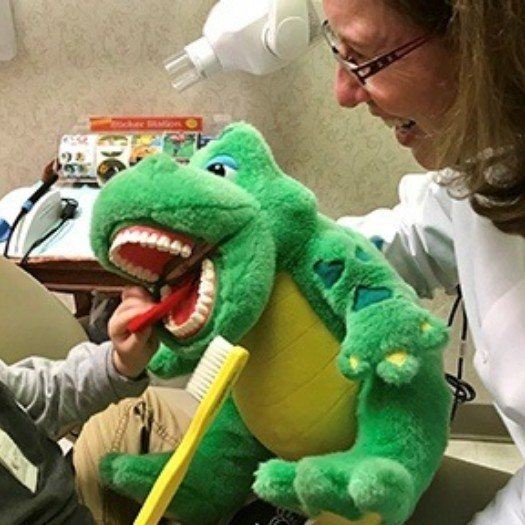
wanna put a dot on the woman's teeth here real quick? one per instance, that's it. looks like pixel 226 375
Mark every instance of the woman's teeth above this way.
pixel 400 123
pixel 408 124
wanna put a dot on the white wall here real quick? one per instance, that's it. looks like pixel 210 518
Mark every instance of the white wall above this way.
pixel 81 57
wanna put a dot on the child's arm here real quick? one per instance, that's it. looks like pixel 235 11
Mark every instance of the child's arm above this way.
pixel 60 394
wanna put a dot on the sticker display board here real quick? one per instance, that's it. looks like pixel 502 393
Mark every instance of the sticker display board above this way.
pixel 113 143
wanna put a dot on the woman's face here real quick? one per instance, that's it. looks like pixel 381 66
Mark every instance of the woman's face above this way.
pixel 418 88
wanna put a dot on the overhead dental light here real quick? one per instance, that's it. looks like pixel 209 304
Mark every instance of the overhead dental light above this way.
pixel 255 36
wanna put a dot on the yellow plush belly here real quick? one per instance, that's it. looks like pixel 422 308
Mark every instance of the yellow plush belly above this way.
pixel 291 395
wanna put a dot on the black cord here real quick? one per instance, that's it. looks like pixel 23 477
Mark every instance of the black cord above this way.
pixel 38 242
pixel 463 391
pixel 18 218
pixel 455 306
pixel 49 177
pixel 68 213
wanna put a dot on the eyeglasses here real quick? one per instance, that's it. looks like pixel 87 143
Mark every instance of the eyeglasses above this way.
pixel 369 68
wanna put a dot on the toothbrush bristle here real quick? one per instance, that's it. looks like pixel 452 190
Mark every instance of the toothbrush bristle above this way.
pixel 208 367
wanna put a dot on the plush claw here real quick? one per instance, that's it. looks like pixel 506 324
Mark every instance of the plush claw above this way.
pixel 131 475
pixel 358 488
pixel 274 483
pixel 354 367
pixel 382 486
pixel 398 368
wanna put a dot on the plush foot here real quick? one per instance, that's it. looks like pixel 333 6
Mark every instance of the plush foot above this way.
pixel 133 476
pixel 383 486
pixel 375 485
pixel 274 482
pixel 321 485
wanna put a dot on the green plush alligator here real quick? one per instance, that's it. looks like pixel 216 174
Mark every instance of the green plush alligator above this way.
pixel 343 407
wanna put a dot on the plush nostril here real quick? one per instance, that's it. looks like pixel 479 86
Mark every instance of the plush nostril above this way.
pixel 329 271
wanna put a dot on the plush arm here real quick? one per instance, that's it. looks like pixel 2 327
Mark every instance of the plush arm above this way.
pixel 166 364
pixel 416 235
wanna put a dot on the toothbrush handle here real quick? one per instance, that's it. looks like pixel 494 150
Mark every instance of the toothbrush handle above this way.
pixel 175 469
pixel 159 311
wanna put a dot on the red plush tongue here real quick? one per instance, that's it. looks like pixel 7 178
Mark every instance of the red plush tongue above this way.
pixel 180 304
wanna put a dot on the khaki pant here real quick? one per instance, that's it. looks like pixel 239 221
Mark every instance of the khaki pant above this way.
pixel 156 422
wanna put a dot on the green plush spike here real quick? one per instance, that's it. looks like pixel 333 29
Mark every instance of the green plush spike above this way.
pixel 329 272
pixel 344 388
pixel 365 296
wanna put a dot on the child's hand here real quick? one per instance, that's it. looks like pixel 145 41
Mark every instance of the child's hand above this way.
pixel 131 351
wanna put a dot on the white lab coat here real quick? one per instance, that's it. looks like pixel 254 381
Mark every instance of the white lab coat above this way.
pixel 435 241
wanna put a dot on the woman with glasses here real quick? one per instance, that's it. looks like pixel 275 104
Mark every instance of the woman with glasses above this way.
pixel 449 77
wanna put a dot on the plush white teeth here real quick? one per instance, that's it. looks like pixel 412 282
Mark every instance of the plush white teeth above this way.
pixel 202 312
pixel 153 240
pixel 143 239
pixel 141 273
pixel 203 309
pixel 196 317
pixel 207 285
pixel 175 247
pixel 164 244
pixel 206 299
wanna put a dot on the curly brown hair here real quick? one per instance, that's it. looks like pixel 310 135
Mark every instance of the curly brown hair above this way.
pixel 484 138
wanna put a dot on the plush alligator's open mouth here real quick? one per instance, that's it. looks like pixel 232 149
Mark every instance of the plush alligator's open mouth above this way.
pixel 175 263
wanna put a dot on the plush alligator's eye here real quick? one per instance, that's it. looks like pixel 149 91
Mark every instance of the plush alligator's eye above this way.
pixel 223 166
pixel 217 169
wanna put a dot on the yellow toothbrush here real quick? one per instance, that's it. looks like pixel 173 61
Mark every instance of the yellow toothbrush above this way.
pixel 210 384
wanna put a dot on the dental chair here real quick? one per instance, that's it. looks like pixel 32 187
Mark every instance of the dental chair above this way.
pixel 33 321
